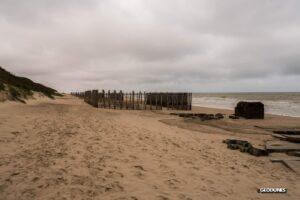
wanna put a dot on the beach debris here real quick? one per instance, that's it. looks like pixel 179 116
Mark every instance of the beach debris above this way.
pixel 287 132
pixel 290 138
pixel 293 164
pixel 294 153
pixel 279 136
pixel 136 100
pixel 233 117
pixel 245 146
pixel 281 146
pixel 250 110
pixel 202 116
pixel 219 116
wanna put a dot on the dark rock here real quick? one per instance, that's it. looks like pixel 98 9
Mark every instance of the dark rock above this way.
pixel 219 116
pixel 245 146
pixel 233 117
pixel 258 152
pixel 250 110
pixel 202 116
pixel 186 115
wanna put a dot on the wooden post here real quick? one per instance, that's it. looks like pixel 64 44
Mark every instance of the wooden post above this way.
pixel 187 101
pixel 181 101
pixel 121 99
pixel 172 99
pixel 145 101
pixel 177 102
pixel 114 99
pixel 161 100
pixel 133 100
pixel 99 99
pixel 108 96
pixel 126 105
pixel 191 100
pixel 103 98
pixel 150 100
pixel 141 100
pixel 96 98
pixel 106 100
pixel 130 100
pixel 167 101
pixel 138 101
pixel 156 101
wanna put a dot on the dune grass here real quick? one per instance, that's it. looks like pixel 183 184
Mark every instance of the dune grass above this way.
pixel 2 87
pixel 21 86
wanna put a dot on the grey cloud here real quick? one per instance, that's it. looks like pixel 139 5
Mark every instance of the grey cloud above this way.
pixel 153 45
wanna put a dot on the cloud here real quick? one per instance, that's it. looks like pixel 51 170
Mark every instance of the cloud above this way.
pixel 153 45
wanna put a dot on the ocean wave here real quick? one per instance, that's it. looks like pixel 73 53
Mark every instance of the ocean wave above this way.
pixel 285 108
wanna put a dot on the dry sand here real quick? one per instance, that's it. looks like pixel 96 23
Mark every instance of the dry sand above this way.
pixel 66 149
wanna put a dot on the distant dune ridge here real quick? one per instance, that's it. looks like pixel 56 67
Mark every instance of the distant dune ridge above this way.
pixel 18 88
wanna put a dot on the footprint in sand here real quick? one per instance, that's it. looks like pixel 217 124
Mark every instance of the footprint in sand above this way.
pixel 29 194
pixel 82 180
pixel 114 187
pixel 184 197
pixel 210 182
pixel 173 183
pixel 15 133
pixel 139 171
pixel 161 197
pixel 139 167
pixel 114 174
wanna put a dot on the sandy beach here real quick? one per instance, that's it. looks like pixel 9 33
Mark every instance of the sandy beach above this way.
pixel 66 149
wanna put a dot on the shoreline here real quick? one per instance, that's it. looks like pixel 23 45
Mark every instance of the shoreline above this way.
pixel 231 111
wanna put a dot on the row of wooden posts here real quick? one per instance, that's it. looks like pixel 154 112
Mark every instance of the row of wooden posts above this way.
pixel 137 100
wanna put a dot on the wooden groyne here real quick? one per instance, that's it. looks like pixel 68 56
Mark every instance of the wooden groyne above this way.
pixel 136 100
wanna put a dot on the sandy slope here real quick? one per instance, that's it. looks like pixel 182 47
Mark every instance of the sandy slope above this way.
pixel 65 149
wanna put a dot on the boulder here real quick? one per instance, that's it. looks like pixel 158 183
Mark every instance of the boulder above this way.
pixel 250 110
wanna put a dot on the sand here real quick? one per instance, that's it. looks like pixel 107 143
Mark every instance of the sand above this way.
pixel 66 149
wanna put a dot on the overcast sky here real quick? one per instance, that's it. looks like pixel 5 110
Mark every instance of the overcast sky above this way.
pixel 158 45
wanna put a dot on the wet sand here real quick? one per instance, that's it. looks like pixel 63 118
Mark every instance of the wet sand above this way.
pixel 66 149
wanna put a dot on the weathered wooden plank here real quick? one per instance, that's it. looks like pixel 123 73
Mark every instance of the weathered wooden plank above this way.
pixel 294 165
pixel 279 136
pixel 292 138
pixel 281 146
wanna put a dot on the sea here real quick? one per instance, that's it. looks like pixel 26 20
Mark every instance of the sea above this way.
pixel 283 103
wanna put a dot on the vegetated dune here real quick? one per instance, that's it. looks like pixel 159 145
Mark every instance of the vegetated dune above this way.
pixel 66 149
pixel 19 88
